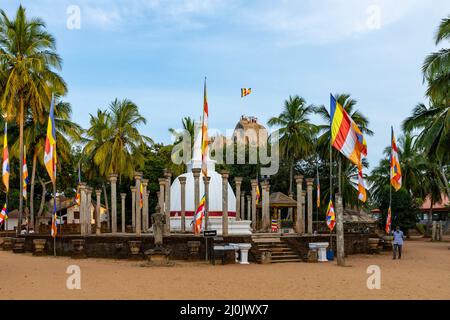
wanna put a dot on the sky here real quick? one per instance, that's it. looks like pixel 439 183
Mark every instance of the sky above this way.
pixel 157 54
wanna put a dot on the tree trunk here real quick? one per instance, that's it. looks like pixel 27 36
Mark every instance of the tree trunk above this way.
pixel 291 176
pixel 19 223
pixel 340 175
pixel 106 204
pixel 33 178
pixel 444 177
pixel 44 191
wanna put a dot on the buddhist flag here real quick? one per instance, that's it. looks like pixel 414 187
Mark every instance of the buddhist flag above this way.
pixel 77 198
pixel 362 193
pixel 5 166
pixel 388 221
pixel 318 189
pixel 199 215
pixel 205 139
pixel 25 174
pixel 3 214
pixel 331 217
pixel 54 221
pixel 346 137
pixel 245 92
pixel 396 172
pixel 50 144
pixel 258 194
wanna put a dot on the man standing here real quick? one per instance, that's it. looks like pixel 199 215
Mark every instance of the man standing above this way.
pixel 398 243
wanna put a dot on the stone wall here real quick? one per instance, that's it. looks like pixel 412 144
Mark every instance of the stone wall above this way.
pixel 116 247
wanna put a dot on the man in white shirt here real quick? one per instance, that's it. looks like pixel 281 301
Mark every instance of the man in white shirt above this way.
pixel 398 243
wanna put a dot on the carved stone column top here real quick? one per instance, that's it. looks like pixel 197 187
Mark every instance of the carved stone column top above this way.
pixel 162 181
pixel 249 198
pixel 303 193
pixel 138 175
pixel 206 179
pixel 242 193
pixel 299 179
pixel 310 181
pixel 144 182
pixel 133 189
pixel 123 195
pixel 113 177
pixel 225 174
pixel 196 172
pixel 89 189
pixel 254 182
pixel 82 186
pixel 182 180
pixel 238 180
pixel 98 192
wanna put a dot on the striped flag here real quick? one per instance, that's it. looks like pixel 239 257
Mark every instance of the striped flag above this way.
pixel 141 196
pixel 50 144
pixel 199 215
pixel 258 194
pixel 205 139
pixel 331 217
pixel 3 214
pixel 362 194
pixel 25 174
pixel 396 172
pixel 274 225
pixel 389 220
pixel 5 166
pixel 346 137
pixel 54 221
pixel 245 92
pixel 318 189
pixel 77 198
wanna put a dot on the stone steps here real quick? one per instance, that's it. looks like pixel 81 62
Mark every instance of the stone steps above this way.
pixel 280 250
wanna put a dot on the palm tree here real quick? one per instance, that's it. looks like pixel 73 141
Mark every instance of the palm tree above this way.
pixel 188 125
pixel 114 142
pixel 434 136
pixel 436 68
pixel 35 133
pixel 27 52
pixel 296 133
pixel 324 140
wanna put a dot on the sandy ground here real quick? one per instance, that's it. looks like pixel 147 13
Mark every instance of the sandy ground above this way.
pixel 423 273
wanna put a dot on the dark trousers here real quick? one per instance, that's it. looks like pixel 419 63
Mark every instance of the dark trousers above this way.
pixel 398 248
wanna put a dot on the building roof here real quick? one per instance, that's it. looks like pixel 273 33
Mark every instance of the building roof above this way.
pixel 439 206
pixel 279 199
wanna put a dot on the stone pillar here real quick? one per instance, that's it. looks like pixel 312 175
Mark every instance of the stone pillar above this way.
pixel 249 207
pixel 147 226
pixel 98 229
pixel 309 188
pixel 122 197
pixel 113 180
pixel 138 178
pixel 133 208
pixel 266 219
pixel 162 193
pixel 196 173
pixel 183 203
pixel 303 213
pixel 265 212
pixel 238 182
pixel 441 230
pixel 291 210
pixel 254 183
pixel 433 231
pixel 225 176
pixel 299 217
pixel 168 176
pixel 340 230
pixel 88 205
pixel 207 181
pixel 145 216
pixel 243 205
pixel 83 196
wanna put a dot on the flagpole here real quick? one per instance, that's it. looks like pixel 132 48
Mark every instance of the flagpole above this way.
pixel 331 184
pixel 54 213
pixel 390 177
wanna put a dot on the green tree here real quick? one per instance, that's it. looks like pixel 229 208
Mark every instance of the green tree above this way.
pixel 296 132
pixel 29 58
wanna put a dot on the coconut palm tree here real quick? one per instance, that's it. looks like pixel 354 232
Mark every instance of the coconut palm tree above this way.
pixel 114 142
pixel 436 68
pixel 28 56
pixel 324 139
pixel 35 133
pixel 296 133
pixel 188 125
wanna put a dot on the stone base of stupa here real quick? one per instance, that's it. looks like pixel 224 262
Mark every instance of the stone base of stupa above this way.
pixel 235 227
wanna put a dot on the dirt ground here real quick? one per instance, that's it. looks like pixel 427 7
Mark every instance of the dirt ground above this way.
pixel 423 273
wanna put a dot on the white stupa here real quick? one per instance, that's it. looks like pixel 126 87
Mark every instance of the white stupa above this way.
pixel 215 197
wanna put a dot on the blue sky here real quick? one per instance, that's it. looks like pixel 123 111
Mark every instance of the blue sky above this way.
pixel 157 53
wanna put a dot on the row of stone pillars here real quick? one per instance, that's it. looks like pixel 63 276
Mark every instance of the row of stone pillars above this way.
pixel 140 215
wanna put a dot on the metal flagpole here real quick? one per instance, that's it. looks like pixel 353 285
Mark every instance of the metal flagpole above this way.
pixel 331 185
pixel 54 213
